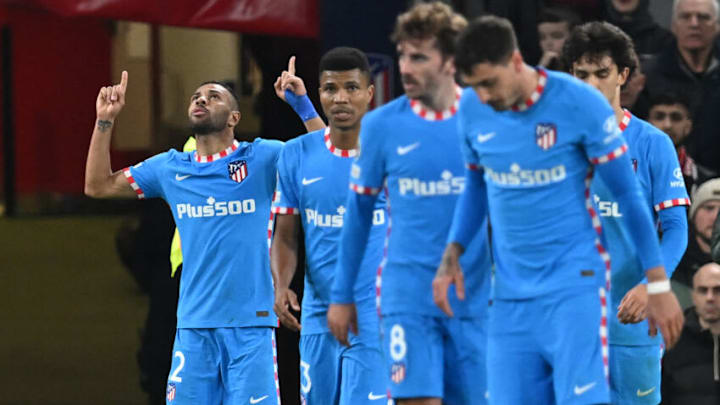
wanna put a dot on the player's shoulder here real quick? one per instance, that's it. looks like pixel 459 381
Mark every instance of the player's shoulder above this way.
pixel 272 145
pixel 650 135
pixel 304 142
pixel 572 92
pixel 381 115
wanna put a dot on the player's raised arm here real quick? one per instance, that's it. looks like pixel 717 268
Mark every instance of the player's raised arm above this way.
pixel 100 180
pixel 291 89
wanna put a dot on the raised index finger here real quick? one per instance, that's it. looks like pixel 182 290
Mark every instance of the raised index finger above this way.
pixel 124 80
pixel 291 65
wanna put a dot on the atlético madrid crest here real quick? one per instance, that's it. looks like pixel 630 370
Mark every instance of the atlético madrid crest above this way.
pixel 238 170
pixel 545 135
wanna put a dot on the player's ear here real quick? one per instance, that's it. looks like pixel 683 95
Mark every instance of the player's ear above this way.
pixel 516 60
pixel 623 76
pixel 371 92
pixel 234 118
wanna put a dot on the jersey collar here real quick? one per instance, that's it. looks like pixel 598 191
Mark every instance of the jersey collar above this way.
pixel 210 158
pixel 535 96
pixel 432 115
pixel 337 151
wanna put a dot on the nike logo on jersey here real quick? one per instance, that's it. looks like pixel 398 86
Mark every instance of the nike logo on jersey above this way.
pixel 485 137
pixel 645 393
pixel 255 401
pixel 306 182
pixel 373 397
pixel 584 388
pixel 404 150
pixel 178 177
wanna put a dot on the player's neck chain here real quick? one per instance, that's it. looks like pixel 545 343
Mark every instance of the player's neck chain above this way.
pixel 625 121
pixel 535 96
pixel 215 156
pixel 337 151
pixel 433 115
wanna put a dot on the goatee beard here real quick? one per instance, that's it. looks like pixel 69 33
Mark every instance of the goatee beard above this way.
pixel 205 128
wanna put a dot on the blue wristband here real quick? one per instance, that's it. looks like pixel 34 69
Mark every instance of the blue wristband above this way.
pixel 301 104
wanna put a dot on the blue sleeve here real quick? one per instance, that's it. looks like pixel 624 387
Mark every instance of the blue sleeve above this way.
pixel 353 239
pixel 146 176
pixel 286 200
pixel 602 138
pixel 367 175
pixel 668 185
pixel 674 226
pixel 618 176
pixel 470 209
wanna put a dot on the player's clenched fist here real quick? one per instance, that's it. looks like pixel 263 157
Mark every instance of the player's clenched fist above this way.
pixel 111 99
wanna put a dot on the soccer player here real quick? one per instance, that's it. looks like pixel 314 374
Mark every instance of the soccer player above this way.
pixel 409 147
pixel 313 178
pixel 531 139
pixel 220 197
pixel 603 56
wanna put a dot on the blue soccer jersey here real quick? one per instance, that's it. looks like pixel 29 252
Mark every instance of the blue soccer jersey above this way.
pixel 538 165
pixel 313 178
pixel 415 155
pixel 656 166
pixel 221 205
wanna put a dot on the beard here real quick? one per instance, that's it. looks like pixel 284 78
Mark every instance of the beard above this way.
pixel 208 126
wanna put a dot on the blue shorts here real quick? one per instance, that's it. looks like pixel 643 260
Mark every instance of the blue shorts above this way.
pixel 331 373
pixel 224 366
pixel 549 349
pixel 635 374
pixel 436 357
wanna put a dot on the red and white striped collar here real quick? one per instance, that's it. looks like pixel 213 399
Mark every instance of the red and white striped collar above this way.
pixel 625 120
pixel 337 151
pixel 206 159
pixel 535 96
pixel 432 115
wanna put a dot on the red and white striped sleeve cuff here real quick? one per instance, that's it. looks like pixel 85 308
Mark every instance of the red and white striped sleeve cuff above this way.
pixel 365 190
pixel 672 203
pixel 285 210
pixel 133 183
pixel 610 156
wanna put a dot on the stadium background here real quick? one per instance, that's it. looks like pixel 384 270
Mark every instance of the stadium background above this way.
pixel 70 312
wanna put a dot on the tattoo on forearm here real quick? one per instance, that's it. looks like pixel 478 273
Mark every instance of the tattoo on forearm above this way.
pixel 104 125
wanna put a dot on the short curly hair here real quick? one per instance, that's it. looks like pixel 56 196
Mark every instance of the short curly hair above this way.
pixel 430 20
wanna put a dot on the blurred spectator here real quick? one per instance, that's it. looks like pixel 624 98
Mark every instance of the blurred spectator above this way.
pixel 691 370
pixel 589 10
pixel 554 26
pixel 703 212
pixel 630 93
pixel 633 17
pixel 715 241
pixel 523 15
pixel 670 112
pixel 692 65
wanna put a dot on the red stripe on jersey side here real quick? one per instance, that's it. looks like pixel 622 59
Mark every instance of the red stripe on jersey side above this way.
pixel 595 219
pixel 604 333
pixel 383 262
pixel 364 190
pixel 275 367
pixel 285 210
pixel 625 121
pixel 672 203
pixel 610 156
pixel 136 188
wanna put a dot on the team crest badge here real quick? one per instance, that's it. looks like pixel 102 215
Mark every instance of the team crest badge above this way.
pixel 397 372
pixel 545 135
pixel 238 170
pixel 170 392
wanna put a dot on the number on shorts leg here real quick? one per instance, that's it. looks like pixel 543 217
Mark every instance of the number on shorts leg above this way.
pixel 398 347
pixel 174 375
pixel 306 384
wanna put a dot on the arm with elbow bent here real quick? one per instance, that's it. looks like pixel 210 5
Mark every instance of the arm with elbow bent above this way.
pixel 291 89
pixel 100 180
pixel 470 211
pixel 663 309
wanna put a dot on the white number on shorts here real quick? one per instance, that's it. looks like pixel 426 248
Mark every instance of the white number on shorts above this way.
pixel 398 347
pixel 305 387
pixel 174 376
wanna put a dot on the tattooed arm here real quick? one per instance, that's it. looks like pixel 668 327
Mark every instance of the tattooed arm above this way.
pixel 100 180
